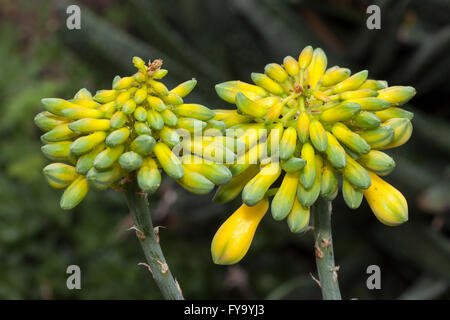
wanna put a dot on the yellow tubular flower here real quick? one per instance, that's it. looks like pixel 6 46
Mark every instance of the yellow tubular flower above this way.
pixel 342 121
pixel 129 131
pixel 234 237
pixel 386 202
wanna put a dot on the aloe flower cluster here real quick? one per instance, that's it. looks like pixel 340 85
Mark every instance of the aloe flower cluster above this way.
pixel 309 127
pixel 126 132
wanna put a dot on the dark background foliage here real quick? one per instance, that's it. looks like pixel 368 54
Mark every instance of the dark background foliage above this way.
pixel 215 41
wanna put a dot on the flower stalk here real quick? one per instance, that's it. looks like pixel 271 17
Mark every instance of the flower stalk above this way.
pixel 156 263
pixel 324 250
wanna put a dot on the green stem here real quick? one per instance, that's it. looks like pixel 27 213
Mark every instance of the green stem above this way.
pixel 324 250
pixel 138 205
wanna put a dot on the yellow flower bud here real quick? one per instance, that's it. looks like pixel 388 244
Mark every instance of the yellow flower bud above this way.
pixel 74 193
pixel 386 202
pixel 232 241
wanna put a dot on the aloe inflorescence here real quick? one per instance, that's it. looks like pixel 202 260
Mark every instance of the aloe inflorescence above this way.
pixel 97 141
pixel 308 127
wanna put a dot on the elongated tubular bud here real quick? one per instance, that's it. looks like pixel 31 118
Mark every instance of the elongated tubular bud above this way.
pixel 352 195
pixel 333 77
pixel 371 103
pixel 373 84
pixel 149 177
pixel 169 136
pixel 129 106
pixel 59 175
pixel 155 120
pixel 86 161
pixel 117 137
pixel 235 119
pixel 276 72
pixel 121 99
pixel 366 120
pixel 317 68
pixel 378 137
pixel 307 197
pixel 159 87
pixel 402 132
pixel 59 133
pixel 156 103
pixel 168 161
pixel 195 182
pixel 88 125
pixel 291 66
pixel 123 83
pixel 57 151
pixel 170 119
pixel 74 193
pixel 139 64
pixel 105 159
pixel 142 128
pixel 232 241
pixel 335 152
pixel 318 135
pixel 140 95
pixel 193 110
pixel 386 202
pixel 140 114
pixel 350 139
pixel 284 198
pixel 305 57
pixel 303 123
pixel 293 164
pixel 183 89
pixel 397 95
pixel 351 83
pixel 81 112
pixel 101 180
pixel 172 99
pixel 228 192
pixel 143 144
pixel 356 174
pixel 329 182
pixel 298 218
pixel 288 143
pixel 247 159
pixel 191 125
pixel 255 190
pixel 394 112
pixel 87 143
pixel 274 112
pixel 357 94
pixel 118 120
pixel 268 84
pixel 377 162
pixel 130 161
pixel 83 94
pixel 308 173
pixel 247 106
pixel 342 112
pixel 159 74
pixel 215 172
pixel 228 90
pixel 105 96
pixel 57 106
pixel 47 121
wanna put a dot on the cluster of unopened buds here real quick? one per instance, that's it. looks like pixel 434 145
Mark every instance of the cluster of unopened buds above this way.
pixel 294 135
pixel 103 140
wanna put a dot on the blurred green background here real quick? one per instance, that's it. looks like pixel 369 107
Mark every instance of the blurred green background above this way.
pixel 215 41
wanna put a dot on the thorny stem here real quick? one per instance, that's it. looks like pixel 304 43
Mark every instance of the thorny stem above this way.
pixel 324 250
pixel 138 205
